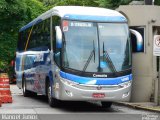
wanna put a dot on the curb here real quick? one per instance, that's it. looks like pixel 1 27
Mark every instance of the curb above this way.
pixel 138 107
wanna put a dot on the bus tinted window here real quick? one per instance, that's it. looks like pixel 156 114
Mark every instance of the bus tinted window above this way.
pixel 56 22
pixel 40 36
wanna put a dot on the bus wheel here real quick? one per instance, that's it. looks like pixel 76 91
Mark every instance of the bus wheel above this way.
pixel 52 101
pixel 25 92
pixel 106 104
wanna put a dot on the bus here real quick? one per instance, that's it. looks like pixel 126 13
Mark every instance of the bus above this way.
pixel 75 53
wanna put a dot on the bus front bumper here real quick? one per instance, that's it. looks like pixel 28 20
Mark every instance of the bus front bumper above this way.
pixel 65 91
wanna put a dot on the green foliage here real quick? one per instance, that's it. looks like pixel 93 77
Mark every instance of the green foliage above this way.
pixel 34 8
pixel 10 21
pixel 14 14
pixel 52 3
pixel 77 2
pixel 112 3
pixel 157 2
pixel 10 13
pixel 100 3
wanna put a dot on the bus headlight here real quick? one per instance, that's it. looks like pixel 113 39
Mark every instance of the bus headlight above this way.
pixel 125 84
pixel 69 82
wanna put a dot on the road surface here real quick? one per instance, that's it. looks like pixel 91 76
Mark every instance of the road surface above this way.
pixel 39 109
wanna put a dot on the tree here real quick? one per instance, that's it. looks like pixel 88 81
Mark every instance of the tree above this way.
pixel 157 2
pixel 34 8
pixel 14 14
pixel 79 2
pixel 12 17
pixel 112 3
pixel 52 3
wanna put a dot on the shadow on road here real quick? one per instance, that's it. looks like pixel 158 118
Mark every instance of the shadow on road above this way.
pixel 76 106
pixel 84 107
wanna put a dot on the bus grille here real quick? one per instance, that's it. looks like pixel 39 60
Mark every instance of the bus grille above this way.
pixel 97 87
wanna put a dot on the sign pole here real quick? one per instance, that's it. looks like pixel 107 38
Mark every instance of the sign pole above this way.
pixel 158 87
pixel 156 52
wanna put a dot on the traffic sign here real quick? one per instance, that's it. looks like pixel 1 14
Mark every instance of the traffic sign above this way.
pixel 156 45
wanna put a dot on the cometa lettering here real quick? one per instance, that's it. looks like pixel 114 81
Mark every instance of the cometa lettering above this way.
pixel 103 75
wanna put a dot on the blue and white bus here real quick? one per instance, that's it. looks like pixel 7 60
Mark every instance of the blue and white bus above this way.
pixel 73 53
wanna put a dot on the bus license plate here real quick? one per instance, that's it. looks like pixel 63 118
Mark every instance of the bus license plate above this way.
pixel 98 95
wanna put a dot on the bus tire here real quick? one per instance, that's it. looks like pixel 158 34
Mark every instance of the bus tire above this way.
pixel 53 102
pixel 106 104
pixel 25 92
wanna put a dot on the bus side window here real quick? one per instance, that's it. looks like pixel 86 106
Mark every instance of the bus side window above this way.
pixel 29 62
pixel 21 41
pixel 57 52
pixel 26 63
pixel 17 64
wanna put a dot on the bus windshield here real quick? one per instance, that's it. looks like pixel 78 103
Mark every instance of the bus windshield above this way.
pixel 96 47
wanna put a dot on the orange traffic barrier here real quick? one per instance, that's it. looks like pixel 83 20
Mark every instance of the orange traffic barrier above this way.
pixel 4 75
pixel 4 85
pixel 5 89
pixel 5 92
pixel 4 80
pixel 6 99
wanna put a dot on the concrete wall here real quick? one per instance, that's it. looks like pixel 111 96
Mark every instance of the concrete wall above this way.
pixel 144 64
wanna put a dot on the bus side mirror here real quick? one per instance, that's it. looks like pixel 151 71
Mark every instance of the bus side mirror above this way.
pixel 137 39
pixel 58 37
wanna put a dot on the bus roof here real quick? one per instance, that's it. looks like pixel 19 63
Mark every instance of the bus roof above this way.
pixel 80 13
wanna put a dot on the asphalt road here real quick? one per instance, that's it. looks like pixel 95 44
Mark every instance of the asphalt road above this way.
pixel 38 109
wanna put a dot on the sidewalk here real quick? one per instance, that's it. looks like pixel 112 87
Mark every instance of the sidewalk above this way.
pixel 149 106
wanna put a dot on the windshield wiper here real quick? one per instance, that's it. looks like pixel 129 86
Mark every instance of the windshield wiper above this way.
pixel 108 59
pixel 89 58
